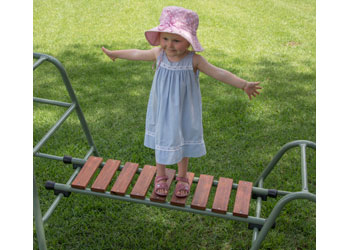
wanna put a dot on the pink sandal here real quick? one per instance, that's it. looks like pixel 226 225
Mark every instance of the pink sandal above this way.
pixel 182 187
pixel 161 185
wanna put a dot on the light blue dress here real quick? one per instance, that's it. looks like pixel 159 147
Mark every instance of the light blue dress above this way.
pixel 174 113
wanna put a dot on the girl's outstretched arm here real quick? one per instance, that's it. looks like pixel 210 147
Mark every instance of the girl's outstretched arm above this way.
pixel 133 54
pixel 250 88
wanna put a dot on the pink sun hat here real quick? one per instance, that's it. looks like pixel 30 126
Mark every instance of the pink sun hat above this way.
pixel 178 21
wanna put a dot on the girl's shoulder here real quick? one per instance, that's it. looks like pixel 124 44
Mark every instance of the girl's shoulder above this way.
pixel 156 51
pixel 197 59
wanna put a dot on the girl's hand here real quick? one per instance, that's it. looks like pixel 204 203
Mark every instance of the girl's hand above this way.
pixel 251 88
pixel 109 53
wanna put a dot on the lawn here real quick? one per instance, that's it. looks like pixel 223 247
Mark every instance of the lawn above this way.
pixel 273 42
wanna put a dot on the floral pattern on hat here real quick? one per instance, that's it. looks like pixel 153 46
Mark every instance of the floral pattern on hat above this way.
pixel 176 20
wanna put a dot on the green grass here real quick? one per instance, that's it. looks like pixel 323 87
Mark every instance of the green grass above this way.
pixel 268 41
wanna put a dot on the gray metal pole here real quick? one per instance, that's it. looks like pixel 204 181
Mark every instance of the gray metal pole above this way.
pixel 53 129
pixel 279 155
pixel 71 93
pixel 40 233
pixel 303 168
pixel 257 212
pixel 51 102
pixel 146 201
pixel 275 213
pixel 40 61
pixel 59 196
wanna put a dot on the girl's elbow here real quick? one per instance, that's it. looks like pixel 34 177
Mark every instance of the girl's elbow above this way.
pixel 220 75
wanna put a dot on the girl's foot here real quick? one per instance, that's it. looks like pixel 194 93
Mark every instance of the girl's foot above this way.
pixel 182 188
pixel 161 187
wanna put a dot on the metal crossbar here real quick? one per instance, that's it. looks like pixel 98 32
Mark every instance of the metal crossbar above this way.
pixel 73 106
pixel 260 226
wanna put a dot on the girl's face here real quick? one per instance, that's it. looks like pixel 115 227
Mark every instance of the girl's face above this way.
pixel 174 45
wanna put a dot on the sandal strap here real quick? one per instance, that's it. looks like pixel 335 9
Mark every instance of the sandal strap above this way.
pixel 182 186
pixel 183 179
pixel 162 185
pixel 161 178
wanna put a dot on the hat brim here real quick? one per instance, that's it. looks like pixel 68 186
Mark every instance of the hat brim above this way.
pixel 152 36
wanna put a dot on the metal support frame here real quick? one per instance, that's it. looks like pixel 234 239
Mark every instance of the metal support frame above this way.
pixel 258 237
pixel 72 106
pixel 39 220
pixel 261 226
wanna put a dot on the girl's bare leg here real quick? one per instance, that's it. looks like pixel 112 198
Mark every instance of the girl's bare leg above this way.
pixel 161 172
pixel 182 171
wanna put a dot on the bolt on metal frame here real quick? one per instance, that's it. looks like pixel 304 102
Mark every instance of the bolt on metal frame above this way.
pixel 258 190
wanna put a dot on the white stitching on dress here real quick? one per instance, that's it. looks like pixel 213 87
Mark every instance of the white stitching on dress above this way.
pixel 163 148
pixel 175 67
pixel 175 148
pixel 150 133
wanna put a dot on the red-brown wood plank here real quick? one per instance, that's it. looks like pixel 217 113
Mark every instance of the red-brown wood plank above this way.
pixel 170 173
pixel 87 171
pixel 182 201
pixel 222 195
pixel 202 192
pixel 242 201
pixel 143 182
pixel 124 179
pixel 105 176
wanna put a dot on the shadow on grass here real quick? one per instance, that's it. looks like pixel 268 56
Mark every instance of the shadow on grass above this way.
pixel 241 138
pixel 114 95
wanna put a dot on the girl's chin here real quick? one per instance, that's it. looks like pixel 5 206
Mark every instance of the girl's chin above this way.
pixel 172 51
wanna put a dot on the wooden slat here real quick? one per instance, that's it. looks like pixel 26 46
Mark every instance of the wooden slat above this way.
pixel 202 192
pixel 124 179
pixel 242 201
pixel 143 182
pixel 170 173
pixel 222 195
pixel 85 174
pixel 104 178
pixel 182 201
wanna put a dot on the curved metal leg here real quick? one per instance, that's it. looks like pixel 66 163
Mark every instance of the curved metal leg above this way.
pixel 279 155
pixel 275 213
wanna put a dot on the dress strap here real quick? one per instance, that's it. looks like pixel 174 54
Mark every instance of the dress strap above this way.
pixel 159 60
pixel 188 60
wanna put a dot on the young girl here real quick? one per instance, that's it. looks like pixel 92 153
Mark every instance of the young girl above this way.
pixel 174 113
